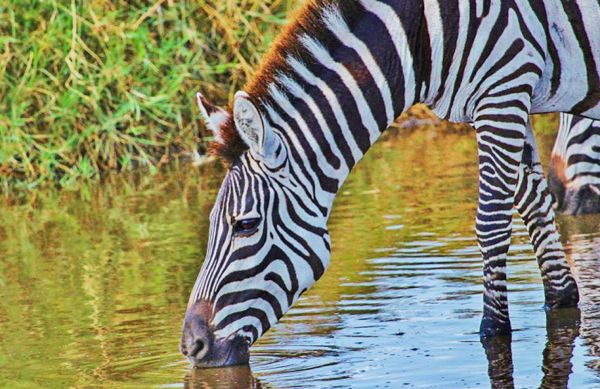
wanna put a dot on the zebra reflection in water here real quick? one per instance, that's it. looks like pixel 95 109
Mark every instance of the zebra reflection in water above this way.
pixel 239 377
pixel 563 327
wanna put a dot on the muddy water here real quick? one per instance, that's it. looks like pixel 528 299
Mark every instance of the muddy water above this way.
pixel 94 283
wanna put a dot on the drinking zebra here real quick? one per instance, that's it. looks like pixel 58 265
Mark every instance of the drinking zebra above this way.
pixel 335 79
pixel 574 176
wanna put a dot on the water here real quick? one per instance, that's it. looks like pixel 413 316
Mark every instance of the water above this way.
pixel 94 284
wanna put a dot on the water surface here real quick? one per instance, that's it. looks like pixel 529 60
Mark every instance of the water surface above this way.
pixel 94 283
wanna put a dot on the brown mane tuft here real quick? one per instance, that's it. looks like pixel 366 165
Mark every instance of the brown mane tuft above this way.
pixel 304 20
pixel 307 20
pixel 231 146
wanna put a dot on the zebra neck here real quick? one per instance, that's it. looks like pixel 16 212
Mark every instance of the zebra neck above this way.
pixel 342 87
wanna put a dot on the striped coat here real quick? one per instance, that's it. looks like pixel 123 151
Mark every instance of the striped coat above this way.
pixel 334 80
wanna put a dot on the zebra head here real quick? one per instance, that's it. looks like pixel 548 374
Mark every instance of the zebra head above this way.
pixel 574 174
pixel 268 241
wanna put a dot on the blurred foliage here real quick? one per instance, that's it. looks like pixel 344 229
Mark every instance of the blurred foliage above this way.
pixel 90 86
pixel 545 124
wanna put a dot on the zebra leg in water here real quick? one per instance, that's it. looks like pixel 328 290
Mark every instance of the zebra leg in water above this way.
pixel 534 203
pixel 500 139
pixel 502 126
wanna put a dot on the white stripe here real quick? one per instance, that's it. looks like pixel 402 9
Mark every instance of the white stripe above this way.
pixel 436 36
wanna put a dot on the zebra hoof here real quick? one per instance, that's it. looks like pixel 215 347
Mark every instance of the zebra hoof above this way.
pixel 491 327
pixel 566 298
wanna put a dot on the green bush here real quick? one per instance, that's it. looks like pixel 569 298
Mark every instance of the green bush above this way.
pixel 92 86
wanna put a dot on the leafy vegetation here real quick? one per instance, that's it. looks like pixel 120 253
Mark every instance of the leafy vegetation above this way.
pixel 90 86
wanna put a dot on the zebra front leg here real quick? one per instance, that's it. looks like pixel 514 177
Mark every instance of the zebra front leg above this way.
pixel 501 126
pixel 493 226
pixel 534 203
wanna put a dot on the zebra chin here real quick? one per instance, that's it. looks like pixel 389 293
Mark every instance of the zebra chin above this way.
pixel 582 201
pixel 200 346
pixel 572 199
pixel 579 201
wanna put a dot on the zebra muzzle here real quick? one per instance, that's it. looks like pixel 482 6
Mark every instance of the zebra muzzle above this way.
pixel 200 346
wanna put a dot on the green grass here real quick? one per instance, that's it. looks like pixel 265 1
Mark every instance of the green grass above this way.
pixel 94 86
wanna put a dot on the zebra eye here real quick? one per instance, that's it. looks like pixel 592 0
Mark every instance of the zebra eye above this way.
pixel 245 226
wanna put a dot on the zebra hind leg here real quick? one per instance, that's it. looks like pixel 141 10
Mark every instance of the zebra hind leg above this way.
pixel 534 203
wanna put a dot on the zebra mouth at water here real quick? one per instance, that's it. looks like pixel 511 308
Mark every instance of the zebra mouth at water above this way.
pixel 203 349
pixel 233 352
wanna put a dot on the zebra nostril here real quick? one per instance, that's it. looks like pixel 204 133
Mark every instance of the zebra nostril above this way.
pixel 198 347
pixel 197 338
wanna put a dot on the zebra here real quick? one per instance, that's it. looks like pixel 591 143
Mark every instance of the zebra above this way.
pixel 574 174
pixel 332 82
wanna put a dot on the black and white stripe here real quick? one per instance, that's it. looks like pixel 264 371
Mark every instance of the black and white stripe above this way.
pixel 339 76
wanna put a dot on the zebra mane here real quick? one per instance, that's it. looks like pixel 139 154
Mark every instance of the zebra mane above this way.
pixel 230 146
pixel 307 21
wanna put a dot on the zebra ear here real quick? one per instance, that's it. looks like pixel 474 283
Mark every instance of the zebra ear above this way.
pixel 253 129
pixel 214 117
